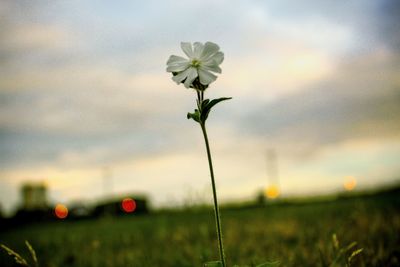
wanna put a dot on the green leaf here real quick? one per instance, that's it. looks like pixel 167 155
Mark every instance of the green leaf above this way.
pixel 206 106
pixel 269 264
pixel 33 253
pixel 335 242
pixel 322 257
pixel 18 258
pixel 195 116
pixel 204 103
pixel 355 253
pixel 213 264
pixel 349 247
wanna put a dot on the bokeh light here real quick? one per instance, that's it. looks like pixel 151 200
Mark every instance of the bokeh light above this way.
pixel 61 211
pixel 272 192
pixel 128 205
pixel 349 183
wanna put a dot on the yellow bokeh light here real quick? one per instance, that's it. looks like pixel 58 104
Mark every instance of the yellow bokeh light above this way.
pixel 349 183
pixel 272 192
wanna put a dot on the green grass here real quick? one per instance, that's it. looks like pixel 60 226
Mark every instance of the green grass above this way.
pixel 296 235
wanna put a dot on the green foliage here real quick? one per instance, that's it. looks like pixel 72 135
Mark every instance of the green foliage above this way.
pixel 33 253
pixel 213 264
pixel 290 233
pixel 269 264
pixel 195 115
pixel 342 256
pixel 207 105
pixel 265 264
pixel 18 258
pixel 200 115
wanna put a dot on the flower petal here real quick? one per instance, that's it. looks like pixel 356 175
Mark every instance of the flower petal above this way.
pixel 190 78
pixel 198 49
pixel 218 57
pixel 187 49
pixel 181 76
pixel 175 59
pixel 211 67
pixel 209 50
pixel 206 77
pixel 180 66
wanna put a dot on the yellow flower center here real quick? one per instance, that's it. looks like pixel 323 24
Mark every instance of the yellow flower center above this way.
pixel 195 63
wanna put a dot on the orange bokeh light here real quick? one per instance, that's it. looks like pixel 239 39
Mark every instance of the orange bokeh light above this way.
pixel 61 211
pixel 128 205
pixel 349 183
pixel 272 192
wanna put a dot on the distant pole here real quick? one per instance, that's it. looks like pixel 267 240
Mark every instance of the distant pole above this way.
pixel 272 167
pixel 107 181
pixel 272 191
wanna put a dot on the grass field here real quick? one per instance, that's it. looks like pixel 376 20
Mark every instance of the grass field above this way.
pixel 294 234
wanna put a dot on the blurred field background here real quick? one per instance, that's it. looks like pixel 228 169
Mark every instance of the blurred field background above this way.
pixel 297 233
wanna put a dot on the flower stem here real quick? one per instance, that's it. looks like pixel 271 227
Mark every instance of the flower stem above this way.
pixel 216 208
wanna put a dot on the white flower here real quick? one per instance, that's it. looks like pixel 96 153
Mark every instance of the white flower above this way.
pixel 204 60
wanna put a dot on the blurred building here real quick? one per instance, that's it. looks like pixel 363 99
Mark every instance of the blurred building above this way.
pixel 34 196
pixel 34 205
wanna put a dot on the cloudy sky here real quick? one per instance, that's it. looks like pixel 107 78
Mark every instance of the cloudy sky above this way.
pixel 83 89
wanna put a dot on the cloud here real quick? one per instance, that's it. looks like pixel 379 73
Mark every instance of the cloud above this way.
pixel 288 68
pixel 33 37
pixel 362 94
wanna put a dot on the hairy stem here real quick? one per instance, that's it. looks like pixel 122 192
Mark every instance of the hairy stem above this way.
pixel 216 208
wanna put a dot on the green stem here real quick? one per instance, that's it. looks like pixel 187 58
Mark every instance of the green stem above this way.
pixel 216 208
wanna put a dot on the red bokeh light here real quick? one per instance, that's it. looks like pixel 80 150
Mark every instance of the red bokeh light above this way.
pixel 61 211
pixel 128 205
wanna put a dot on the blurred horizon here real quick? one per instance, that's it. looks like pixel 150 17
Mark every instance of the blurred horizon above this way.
pixel 88 108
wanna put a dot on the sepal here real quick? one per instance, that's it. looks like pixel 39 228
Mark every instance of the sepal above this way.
pixel 195 116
